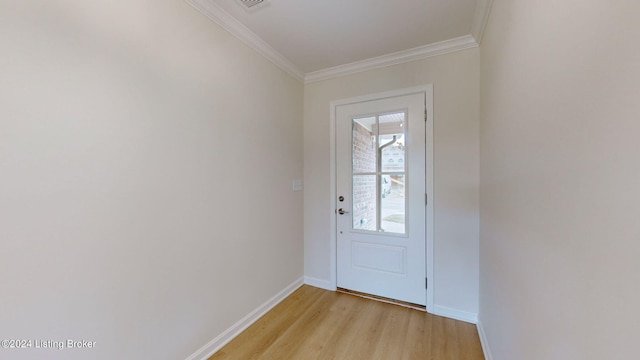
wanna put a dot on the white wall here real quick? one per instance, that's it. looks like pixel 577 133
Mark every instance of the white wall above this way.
pixel 560 180
pixel 456 102
pixel 146 159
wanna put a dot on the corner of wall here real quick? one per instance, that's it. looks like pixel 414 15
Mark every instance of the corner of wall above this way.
pixel 319 283
pixel 455 314
pixel 481 17
pixel 226 336
pixel 484 341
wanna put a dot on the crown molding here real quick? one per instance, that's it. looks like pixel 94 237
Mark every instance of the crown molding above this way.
pixel 418 53
pixel 229 23
pixel 483 9
pixel 214 12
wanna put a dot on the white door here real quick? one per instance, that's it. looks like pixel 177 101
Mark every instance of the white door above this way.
pixel 380 175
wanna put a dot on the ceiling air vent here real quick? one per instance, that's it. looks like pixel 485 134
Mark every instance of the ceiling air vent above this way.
pixel 252 5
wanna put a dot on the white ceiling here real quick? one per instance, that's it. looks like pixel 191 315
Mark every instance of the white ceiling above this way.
pixel 316 35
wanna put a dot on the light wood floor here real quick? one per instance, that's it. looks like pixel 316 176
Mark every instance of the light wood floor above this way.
pixel 317 324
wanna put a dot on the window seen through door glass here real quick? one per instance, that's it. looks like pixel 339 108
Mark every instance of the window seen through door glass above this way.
pixel 379 167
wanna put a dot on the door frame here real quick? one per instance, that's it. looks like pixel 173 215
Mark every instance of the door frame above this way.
pixel 429 178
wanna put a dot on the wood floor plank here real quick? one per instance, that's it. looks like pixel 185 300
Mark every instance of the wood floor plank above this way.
pixel 292 338
pixel 367 331
pixel 315 324
pixel 252 342
pixel 345 333
pixel 417 344
pixel 393 334
pixel 321 340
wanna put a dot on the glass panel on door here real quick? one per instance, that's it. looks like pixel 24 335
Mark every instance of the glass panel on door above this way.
pixel 378 171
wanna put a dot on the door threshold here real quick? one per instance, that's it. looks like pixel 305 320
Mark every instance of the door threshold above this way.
pixel 382 299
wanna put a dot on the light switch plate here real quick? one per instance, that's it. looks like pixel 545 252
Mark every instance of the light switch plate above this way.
pixel 296 185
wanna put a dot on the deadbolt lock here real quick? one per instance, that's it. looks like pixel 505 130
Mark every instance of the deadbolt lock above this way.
pixel 341 198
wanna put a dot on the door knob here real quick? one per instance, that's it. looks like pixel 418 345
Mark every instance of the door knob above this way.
pixel 342 212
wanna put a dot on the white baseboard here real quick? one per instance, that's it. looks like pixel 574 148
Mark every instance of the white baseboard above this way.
pixel 455 314
pixel 319 283
pixel 484 341
pixel 221 340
